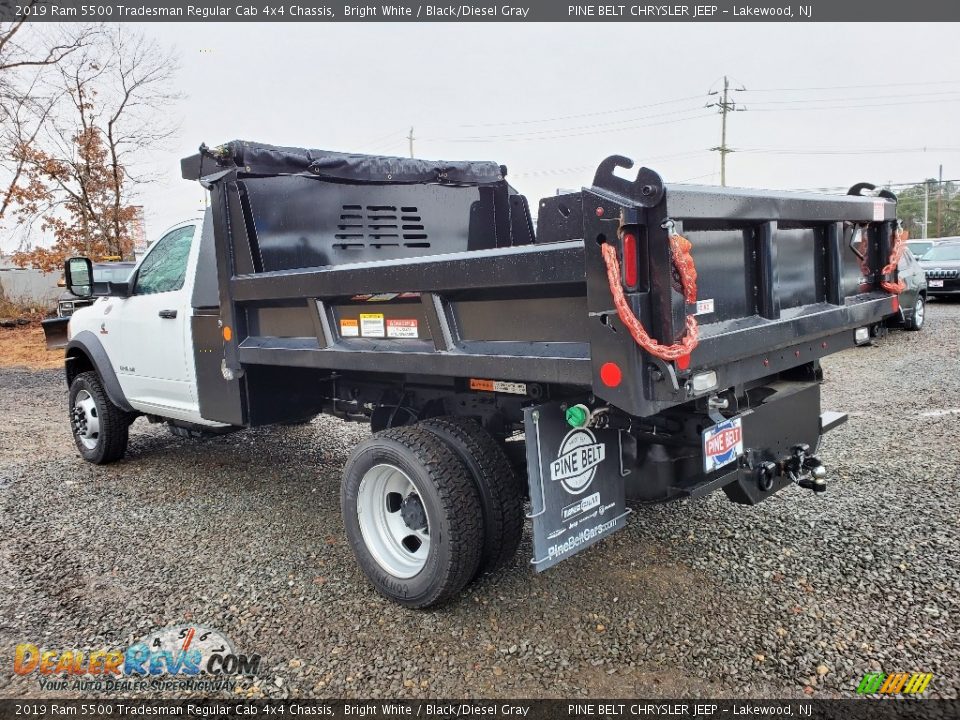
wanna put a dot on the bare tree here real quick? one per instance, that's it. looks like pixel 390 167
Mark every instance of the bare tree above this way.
pixel 29 58
pixel 109 107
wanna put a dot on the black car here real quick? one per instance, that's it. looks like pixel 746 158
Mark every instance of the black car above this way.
pixel 67 303
pixel 913 298
pixel 942 266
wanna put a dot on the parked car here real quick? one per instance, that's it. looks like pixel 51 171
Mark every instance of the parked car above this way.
pixel 913 298
pixel 68 303
pixel 942 266
pixel 919 247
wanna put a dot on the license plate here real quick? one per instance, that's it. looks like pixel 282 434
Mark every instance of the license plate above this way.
pixel 936 283
pixel 722 444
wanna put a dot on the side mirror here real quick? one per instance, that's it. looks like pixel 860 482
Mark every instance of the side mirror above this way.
pixel 78 273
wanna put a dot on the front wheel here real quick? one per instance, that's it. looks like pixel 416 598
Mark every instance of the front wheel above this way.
pixel 100 428
pixel 918 315
pixel 412 516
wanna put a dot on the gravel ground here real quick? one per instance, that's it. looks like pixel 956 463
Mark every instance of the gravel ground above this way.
pixel 797 597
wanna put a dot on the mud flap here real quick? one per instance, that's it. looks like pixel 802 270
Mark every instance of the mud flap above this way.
pixel 576 484
pixel 55 332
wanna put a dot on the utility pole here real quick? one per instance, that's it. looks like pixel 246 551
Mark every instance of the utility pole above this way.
pixel 940 203
pixel 411 139
pixel 926 207
pixel 725 105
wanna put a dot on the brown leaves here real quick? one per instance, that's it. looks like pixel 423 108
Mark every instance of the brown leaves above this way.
pixel 85 203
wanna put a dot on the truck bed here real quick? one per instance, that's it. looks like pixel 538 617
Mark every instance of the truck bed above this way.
pixel 396 266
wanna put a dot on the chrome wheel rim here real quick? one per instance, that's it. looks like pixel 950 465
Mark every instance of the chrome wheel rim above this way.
pixel 393 520
pixel 85 418
pixel 918 311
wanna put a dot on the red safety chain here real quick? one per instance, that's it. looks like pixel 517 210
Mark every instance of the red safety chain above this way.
pixel 683 261
pixel 899 243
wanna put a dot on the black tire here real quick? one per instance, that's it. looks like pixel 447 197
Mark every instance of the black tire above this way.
pixel 496 482
pixel 915 322
pixel 450 500
pixel 110 442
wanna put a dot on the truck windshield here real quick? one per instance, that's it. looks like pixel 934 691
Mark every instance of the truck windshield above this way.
pixel 943 252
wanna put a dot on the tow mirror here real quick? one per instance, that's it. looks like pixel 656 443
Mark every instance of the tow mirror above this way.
pixel 78 272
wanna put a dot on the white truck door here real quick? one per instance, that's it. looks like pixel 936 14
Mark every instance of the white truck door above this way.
pixel 150 330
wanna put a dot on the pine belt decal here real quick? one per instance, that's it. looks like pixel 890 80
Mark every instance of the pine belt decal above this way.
pixel 574 468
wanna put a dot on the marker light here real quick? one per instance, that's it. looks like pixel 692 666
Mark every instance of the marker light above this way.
pixel 630 260
pixel 611 374
pixel 704 381
pixel 861 336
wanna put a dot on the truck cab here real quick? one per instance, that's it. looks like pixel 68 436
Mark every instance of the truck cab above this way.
pixel 143 328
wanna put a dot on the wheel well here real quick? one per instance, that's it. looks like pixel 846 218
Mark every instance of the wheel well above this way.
pixel 77 361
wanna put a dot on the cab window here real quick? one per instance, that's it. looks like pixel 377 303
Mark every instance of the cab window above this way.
pixel 165 266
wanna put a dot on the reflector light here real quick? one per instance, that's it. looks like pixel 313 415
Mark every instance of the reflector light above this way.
pixel 704 381
pixel 227 333
pixel 683 362
pixel 630 260
pixel 610 374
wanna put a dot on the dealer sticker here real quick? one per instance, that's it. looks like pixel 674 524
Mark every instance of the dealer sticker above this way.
pixel 402 328
pixel 722 444
pixel 349 327
pixel 371 325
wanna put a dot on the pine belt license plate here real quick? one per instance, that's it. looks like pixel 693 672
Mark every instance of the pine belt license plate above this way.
pixel 722 444
pixel 576 484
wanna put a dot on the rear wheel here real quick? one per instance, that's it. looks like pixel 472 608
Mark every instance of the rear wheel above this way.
pixel 100 428
pixel 496 482
pixel 918 315
pixel 412 516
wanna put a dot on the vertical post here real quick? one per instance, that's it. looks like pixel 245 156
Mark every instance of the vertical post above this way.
pixel 940 203
pixel 926 207
pixel 410 139
pixel 723 134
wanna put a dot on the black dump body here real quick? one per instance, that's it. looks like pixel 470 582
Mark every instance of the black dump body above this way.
pixel 305 243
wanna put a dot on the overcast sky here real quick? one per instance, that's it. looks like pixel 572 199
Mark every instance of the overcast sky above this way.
pixel 496 91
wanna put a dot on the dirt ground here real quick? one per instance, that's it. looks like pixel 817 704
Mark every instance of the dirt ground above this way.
pixel 25 347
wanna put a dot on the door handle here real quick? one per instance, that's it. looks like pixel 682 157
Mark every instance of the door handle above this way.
pixel 168 314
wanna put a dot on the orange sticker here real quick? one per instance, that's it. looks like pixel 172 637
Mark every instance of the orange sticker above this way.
pixel 349 327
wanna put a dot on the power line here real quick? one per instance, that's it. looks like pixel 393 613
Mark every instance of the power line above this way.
pixel 511 138
pixel 531 133
pixel 583 115
pixel 856 87
pixel 858 106
pixel 900 98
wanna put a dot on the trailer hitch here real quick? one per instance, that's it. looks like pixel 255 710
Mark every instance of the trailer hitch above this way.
pixel 806 470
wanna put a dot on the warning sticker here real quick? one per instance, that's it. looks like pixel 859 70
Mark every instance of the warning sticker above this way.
pixel 501 386
pixel 402 328
pixel 878 209
pixel 349 327
pixel 371 325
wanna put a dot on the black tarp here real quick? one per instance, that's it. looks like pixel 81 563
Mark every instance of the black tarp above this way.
pixel 260 159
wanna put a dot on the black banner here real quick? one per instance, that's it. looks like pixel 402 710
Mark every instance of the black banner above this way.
pixel 865 709
pixel 517 11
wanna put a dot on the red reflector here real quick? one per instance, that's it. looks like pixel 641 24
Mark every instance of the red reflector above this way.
pixel 683 362
pixel 630 259
pixel 610 374
pixel 895 303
